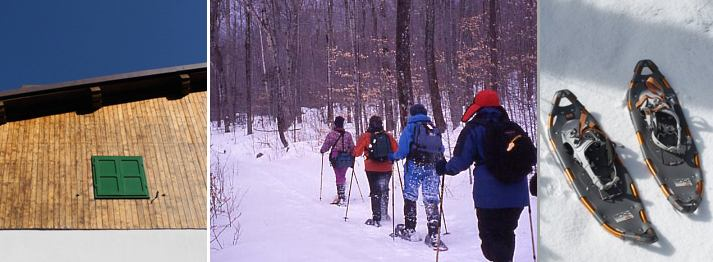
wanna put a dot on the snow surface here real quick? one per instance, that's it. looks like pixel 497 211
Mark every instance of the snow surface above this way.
pixel 282 218
pixel 103 245
pixel 591 47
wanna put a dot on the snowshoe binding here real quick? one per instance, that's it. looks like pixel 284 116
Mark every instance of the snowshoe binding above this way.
pixel 408 234
pixel 435 243
pixel 432 239
pixel 338 201
pixel 372 222
pixel 595 172
pixel 666 142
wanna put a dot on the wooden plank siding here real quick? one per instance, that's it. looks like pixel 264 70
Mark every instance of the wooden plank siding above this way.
pixel 46 176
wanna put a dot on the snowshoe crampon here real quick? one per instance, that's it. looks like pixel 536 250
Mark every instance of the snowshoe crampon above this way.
pixel 666 142
pixel 406 233
pixel 595 172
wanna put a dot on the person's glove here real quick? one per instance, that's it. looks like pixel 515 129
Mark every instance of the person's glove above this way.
pixel 533 185
pixel 391 157
pixel 441 167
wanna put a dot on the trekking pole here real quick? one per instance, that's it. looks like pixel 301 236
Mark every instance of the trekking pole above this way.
pixel 358 187
pixel 349 195
pixel 398 169
pixel 442 196
pixel 532 237
pixel 393 211
pixel 438 250
pixel 470 175
pixel 443 214
pixel 321 177
pixel 445 226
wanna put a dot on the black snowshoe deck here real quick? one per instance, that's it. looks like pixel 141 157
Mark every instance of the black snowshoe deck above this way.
pixel 677 174
pixel 618 209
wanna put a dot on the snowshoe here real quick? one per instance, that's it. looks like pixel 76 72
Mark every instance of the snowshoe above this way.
pixel 372 222
pixel 666 142
pixel 408 234
pixel 339 202
pixel 435 243
pixel 595 172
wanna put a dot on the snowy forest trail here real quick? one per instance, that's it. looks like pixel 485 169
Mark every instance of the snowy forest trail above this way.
pixel 282 218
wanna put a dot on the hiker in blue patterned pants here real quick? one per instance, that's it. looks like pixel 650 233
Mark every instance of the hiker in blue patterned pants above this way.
pixel 420 143
pixel 421 175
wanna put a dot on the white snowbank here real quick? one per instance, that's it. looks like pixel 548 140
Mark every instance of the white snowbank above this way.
pixel 591 47
pixel 103 245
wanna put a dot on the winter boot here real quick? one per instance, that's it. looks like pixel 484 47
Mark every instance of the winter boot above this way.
pixel 432 239
pixel 408 234
pixel 376 207
pixel 373 222
pixel 385 207
pixel 335 201
pixel 407 231
pixel 410 214
pixel 341 199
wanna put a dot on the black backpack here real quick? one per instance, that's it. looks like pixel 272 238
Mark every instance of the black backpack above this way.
pixel 379 147
pixel 426 143
pixel 509 153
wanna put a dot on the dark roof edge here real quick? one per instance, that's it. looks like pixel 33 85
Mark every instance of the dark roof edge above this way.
pixel 101 80
pixel 88 95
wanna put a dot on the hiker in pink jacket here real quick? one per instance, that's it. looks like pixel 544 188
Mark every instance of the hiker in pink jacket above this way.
pixel 341 144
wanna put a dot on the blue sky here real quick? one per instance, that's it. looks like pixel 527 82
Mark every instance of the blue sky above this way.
pixel 54 41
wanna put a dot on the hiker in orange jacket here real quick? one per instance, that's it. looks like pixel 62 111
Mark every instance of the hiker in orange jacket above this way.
pixel 378 147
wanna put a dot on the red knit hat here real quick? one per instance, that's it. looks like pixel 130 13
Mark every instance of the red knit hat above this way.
pixel 482 99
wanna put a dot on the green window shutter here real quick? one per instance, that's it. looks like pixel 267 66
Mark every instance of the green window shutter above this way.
pixel 118 177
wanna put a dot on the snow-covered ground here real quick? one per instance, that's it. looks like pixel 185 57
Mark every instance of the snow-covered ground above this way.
pixel 103 245
pixel 591 47
pixel 282 218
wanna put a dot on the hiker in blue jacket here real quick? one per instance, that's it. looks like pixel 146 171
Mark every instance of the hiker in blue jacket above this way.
pixel 420 143
pixel 498 205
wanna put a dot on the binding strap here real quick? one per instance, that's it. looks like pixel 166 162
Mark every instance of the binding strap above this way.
pixel 653 101
pixel 584 124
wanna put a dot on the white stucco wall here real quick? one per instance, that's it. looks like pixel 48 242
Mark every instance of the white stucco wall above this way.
pixel 103 245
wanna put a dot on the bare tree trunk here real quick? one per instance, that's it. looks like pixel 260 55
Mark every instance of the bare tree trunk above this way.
pixel 270 28
pixel 383 50
pixel 217 66
pixel 435 93
pixel 264 75
pixel 404 85
pixel 330 40
pixel 215 17
pixel 493 37
pixel 355 65
pixel 274 44
pixel 248 75
pixel 455 107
